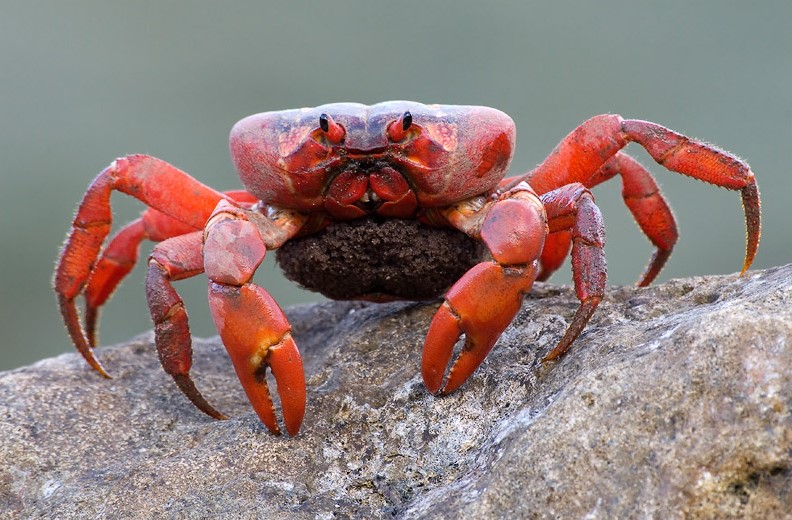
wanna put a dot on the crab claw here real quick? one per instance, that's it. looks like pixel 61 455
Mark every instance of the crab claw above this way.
pixel 257 335
pixel 480 305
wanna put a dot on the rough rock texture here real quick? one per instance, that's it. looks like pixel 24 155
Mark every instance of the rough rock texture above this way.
pixel 675 403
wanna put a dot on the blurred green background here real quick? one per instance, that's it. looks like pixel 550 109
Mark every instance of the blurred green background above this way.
pixel 84 82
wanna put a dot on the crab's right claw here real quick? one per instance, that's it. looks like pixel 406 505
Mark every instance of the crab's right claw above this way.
pixel 257 335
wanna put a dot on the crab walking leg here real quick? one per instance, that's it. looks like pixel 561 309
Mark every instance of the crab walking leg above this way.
pixel 176 258
pixel 486 299
pixel 121 253
pixel 253 328
pixel 571 208
pixel 120 257
pixel 157 184
pixel 117 260
pixel 584 151
pixel 649 208
pixel 647 205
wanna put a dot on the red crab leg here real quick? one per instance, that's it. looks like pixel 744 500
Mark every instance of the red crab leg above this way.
pixel 176 258
pixel 253 328
pixel 647 205
pixel 486 299
pixel 571 209
pixel 157 184
pixel 584 151
pixel 121 253
pixel 117 260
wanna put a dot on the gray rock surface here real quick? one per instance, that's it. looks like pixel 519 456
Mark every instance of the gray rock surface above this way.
pixel 675 403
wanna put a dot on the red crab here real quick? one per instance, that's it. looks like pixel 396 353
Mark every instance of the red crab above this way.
pixel 345 168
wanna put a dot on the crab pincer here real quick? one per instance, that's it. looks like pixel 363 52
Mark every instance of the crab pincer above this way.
pixel 253 328
pixel 257 336
pixel 486 299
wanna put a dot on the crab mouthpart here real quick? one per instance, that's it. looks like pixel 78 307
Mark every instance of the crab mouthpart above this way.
pixel 369 202
pixel 380 191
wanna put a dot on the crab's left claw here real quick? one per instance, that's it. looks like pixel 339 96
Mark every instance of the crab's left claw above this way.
pixel 486 299
pixel 480 305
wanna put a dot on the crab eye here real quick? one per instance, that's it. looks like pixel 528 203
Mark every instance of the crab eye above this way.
pixel 406 120
pixel 398 128
pixel 335 132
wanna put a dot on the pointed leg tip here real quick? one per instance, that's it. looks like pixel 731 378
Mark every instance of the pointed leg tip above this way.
pixel 77 334
pixel 563 345
pixel 188 388
pixel 103 372
pixel 556 353
pixel 750 255
pixel 753 222
pixel 89 356
pixel 579 321
pixel 656 264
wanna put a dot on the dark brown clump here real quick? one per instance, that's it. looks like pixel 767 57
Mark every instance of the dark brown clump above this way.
pixel 394 258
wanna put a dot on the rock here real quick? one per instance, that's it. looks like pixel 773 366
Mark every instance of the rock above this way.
pixel 674 403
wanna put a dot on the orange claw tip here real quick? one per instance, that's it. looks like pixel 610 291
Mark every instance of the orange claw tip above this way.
pixel 472 355
pixel 455 380
pixel 286 364
pixel 284 360
pixel 292 422
pixel 259 398
pixel 443 334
